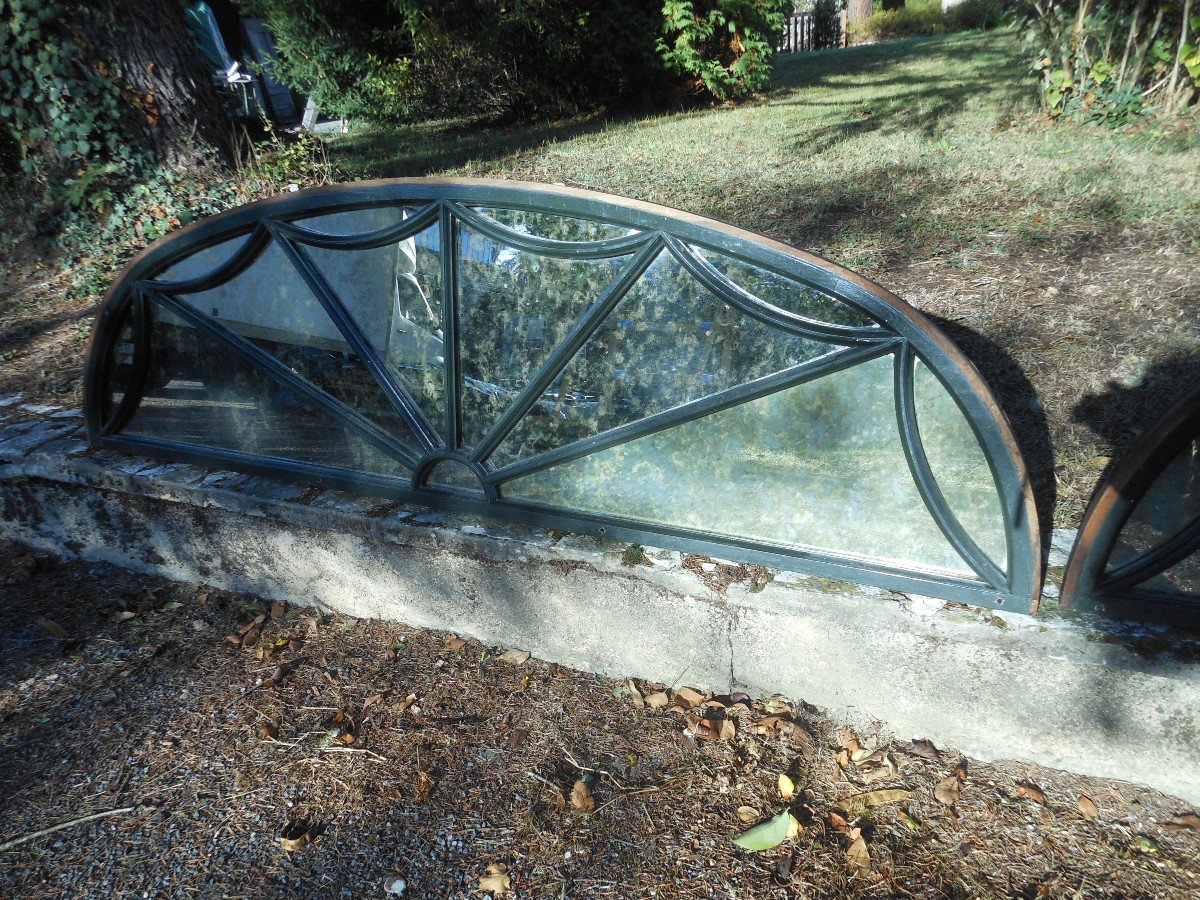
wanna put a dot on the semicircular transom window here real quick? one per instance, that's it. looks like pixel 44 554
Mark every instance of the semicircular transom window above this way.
pixel 1140 536
pixel 576 361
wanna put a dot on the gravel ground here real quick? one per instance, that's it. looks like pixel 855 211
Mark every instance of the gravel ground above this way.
pixel 394 758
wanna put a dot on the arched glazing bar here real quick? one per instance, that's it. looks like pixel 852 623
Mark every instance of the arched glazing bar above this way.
pixel 1139 542
pixel 575 361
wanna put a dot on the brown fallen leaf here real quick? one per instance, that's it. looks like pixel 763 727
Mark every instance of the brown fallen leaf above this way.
pixel 876 798
pixel 687 697
pixel 424 785
pixel 838 821
pixel 786 787
pixel 712 729
pixel 53 628
pixel 1188 821
pixel 858 856
pixel 252 624
pixel 1088 808
pixel 371 701
pixel 496 881
pixel 925 750
pixel 747 814
pixel 298 835
pixel 657 700
pixel 582 799
pixel 946 791
pixel 268 730
pixel 514 657
pixel 848 741
pixel 639 702
pixel 455 643
pixel 1032 792
pixel 518 737
pixel 278 608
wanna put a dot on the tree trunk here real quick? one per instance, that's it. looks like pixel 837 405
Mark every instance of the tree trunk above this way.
pixel 860 9
pixel 169 104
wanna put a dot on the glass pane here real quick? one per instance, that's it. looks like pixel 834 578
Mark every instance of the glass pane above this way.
pixel 1171 503
pixel 394 293
pixel 201 262
pixel 1181 578
pixel 514 308
pixel 818 465
pixel 271 305
pixel 558 228
pixel 120 360
pixel 204 393
pixel 455 475
pixel 667 342
pixel 784 292
pixel 356 221
pixel 959 465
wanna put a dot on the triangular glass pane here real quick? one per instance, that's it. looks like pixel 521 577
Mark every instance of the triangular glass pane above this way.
pixel 456 476
pixel 1170 505
pixel 554 227
pixel 202 392
pixel 269 304
pixel 819 465
pixel 514 308
pixel 356 221
pixel 201 262
pixel 786 293
pixel 959 465
pixel 669 341
pixel 394 293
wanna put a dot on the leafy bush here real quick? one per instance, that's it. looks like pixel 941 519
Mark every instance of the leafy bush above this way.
pixel 1114 60
pixel 724 45
pixel 920 18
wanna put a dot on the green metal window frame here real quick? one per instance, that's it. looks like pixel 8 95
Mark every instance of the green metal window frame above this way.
pixel 1088 579
pixel 899 332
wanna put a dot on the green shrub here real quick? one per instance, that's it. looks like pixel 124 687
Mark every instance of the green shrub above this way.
pixel 724 45
pixel 920 18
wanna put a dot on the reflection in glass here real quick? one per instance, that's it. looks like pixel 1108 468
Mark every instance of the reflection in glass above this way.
pixel 1171 503
pixel 270 304
pixel 514 308
pixel 819 465
pixel 959 465
pixel 554 227
pixel 211 396
pixel 120 360
pixel 669 341
pixel 201 262
pixel 394 294
pixel 356 221
pixel 785 293
pixel 455 475
pixel 1181 578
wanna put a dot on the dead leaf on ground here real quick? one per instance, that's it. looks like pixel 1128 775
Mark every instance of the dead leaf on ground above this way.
pixel 1185 822
pixel 122 615
pixel 876 798
pixel 747 814
pixel 371 701
pixel 1032 792
pixel 278 608
pixel 858 856
pixel 687 697
pixel 268 730
pixel 909 822
pixel 515 657
pixel 455 643
pixel 495 881
pixel 848 741
pixel 252 624
pixel 53 628
pixel 925 750
pixel 518 737
pixel 946 791
pixel 657 700
pixel 298 835
pixel 1088 808
pixel 582 799
pixel 787 787
pixel 635 695
pixel 712 729
pixel 838 821
pixel 424 785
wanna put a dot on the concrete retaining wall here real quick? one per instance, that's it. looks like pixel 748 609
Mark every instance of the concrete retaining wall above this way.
pixel 1088 695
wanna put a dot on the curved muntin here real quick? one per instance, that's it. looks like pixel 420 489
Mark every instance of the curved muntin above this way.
pixel 912 363
pixel 1094 573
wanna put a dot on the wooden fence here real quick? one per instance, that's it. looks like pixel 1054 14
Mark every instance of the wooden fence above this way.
pixel 798 33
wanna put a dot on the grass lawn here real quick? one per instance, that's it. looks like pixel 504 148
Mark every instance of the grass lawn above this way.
pixel 1062 259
